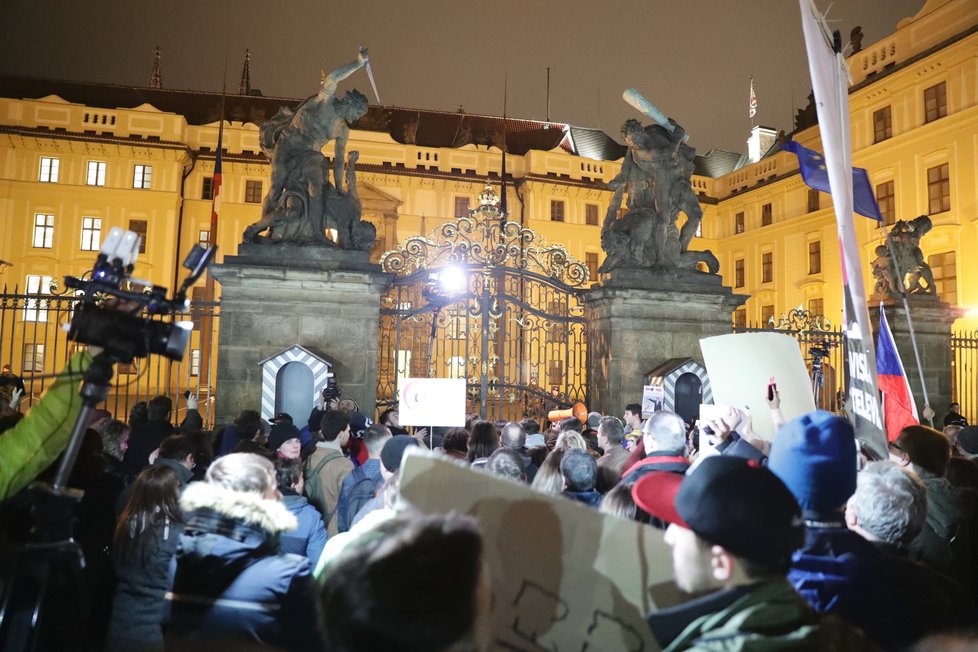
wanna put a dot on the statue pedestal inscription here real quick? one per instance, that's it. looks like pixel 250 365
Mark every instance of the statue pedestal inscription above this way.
pixel 932 321
pixel 273 297
pixel 639 318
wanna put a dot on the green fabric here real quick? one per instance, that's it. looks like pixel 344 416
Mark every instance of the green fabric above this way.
pixel 29 447
pixel 771 617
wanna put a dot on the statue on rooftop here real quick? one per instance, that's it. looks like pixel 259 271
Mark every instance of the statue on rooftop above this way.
pixel 655 174
pixel 302 202
pixel 901 261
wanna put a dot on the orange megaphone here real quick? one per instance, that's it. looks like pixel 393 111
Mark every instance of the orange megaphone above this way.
pixel 578 411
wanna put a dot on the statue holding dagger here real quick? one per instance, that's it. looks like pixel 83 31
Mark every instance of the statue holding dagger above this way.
pixel 302 202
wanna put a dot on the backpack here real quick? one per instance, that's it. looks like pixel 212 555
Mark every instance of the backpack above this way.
pixel 314 489
pixel 364 490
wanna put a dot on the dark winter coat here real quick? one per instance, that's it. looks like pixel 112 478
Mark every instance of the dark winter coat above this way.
pixel 309 538
pixel 141 581
pixel 592 497
pixel 945 542
pixel 229 585
pixel 143 440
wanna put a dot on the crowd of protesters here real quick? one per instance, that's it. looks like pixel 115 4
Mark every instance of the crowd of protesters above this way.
pixel 291 535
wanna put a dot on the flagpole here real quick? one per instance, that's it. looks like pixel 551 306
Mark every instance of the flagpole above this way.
pixel 913 336
pixel 207 325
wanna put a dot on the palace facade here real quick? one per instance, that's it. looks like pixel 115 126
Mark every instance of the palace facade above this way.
pixel 77 159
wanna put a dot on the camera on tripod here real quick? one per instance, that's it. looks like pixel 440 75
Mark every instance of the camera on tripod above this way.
pixel 132 332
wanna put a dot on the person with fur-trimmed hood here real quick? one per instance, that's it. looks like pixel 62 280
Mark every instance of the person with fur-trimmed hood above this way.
pixel 230 587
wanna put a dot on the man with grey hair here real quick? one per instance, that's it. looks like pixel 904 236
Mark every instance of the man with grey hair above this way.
pixel 889 509
pixel 513 436
pixel 664 439
pixel 611 434
pixel 506 463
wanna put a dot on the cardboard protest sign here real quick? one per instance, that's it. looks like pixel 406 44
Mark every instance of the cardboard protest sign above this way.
pixel 432 402
pixel 653 397
pixel 740 366
pixel 564 576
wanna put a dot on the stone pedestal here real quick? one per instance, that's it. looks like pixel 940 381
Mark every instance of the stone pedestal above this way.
pixel 932 322
pixel 275 296
pixel 639 318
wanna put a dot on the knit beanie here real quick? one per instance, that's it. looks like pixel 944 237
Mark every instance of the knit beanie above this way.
pixel 815 456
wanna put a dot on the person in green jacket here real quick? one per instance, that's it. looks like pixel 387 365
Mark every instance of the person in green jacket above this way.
pixel 733 527
pixel 36 441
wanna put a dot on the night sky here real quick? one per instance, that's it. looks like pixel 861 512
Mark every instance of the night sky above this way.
pixel 692 58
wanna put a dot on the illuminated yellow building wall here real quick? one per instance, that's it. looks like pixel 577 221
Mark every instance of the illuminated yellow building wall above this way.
pixel 929 63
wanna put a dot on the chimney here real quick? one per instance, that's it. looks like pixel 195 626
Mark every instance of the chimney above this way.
pixel 761 139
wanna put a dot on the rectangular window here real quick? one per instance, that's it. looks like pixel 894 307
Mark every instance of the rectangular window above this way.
pixel 740 319
pixel 556 210
pixel 35 309
pixel 739 273
pixel 944 268
pixel 43 231
pixel 938 189
pixel 767 215
pixel 591 260
pixel 252 192
pixel 882 125
pixel 935 102
pixel 194 362
pixel 461 207
pixel 207 188
pixel 91 234
pixel 815 257
pixel 203 237
pixel 557 330
pixel 139 228
pixel 96 173
pixel 886 199
pixel 127 368
pixel 49 170
pixel 813 200
pixel 34 358
pixel 142 177
pixel 739 222
pixel 591 214
pixel 817 307
pixel 767 267
pixel 767 316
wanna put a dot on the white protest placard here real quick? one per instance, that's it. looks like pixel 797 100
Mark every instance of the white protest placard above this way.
pixel 432 402
pixel 653 397
pixel 741 365
pixel 564 575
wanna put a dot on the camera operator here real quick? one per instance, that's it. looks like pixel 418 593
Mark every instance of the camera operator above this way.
pixel 33 444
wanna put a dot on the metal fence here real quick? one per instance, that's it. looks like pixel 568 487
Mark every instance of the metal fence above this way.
pixel 964 373
pixel 34 342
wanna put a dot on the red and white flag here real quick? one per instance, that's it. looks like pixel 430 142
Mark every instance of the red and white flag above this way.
pixel 753 100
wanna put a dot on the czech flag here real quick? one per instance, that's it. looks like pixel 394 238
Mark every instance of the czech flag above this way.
pixel 899 409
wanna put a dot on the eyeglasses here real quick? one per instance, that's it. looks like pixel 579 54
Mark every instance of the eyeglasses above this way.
pixel 894 446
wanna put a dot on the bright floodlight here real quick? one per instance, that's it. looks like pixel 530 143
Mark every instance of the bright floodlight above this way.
pixel 452 280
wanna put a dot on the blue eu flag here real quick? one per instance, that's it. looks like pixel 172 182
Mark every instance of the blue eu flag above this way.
pixel 813 172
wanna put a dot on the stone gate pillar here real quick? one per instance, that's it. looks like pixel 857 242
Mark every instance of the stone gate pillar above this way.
pixel 638 319
pixel 932 322
pixel 275 296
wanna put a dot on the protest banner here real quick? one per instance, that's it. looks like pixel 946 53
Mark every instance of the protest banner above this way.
pixel 432 402
pixel 741 365
pixel 653 397
pixel 564 576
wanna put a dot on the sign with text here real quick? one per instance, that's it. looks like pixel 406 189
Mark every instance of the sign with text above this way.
pixel 432 402
pixel 742 364
pixel 653 397
pixel 564 575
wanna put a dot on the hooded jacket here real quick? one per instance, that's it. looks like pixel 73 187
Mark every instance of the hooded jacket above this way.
pixel 229 585
pixel 769 617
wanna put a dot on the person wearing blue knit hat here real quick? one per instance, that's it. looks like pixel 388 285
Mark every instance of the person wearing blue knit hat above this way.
pixel 836 570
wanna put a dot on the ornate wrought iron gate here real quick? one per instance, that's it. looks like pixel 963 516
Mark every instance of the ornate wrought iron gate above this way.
pixel 489 301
